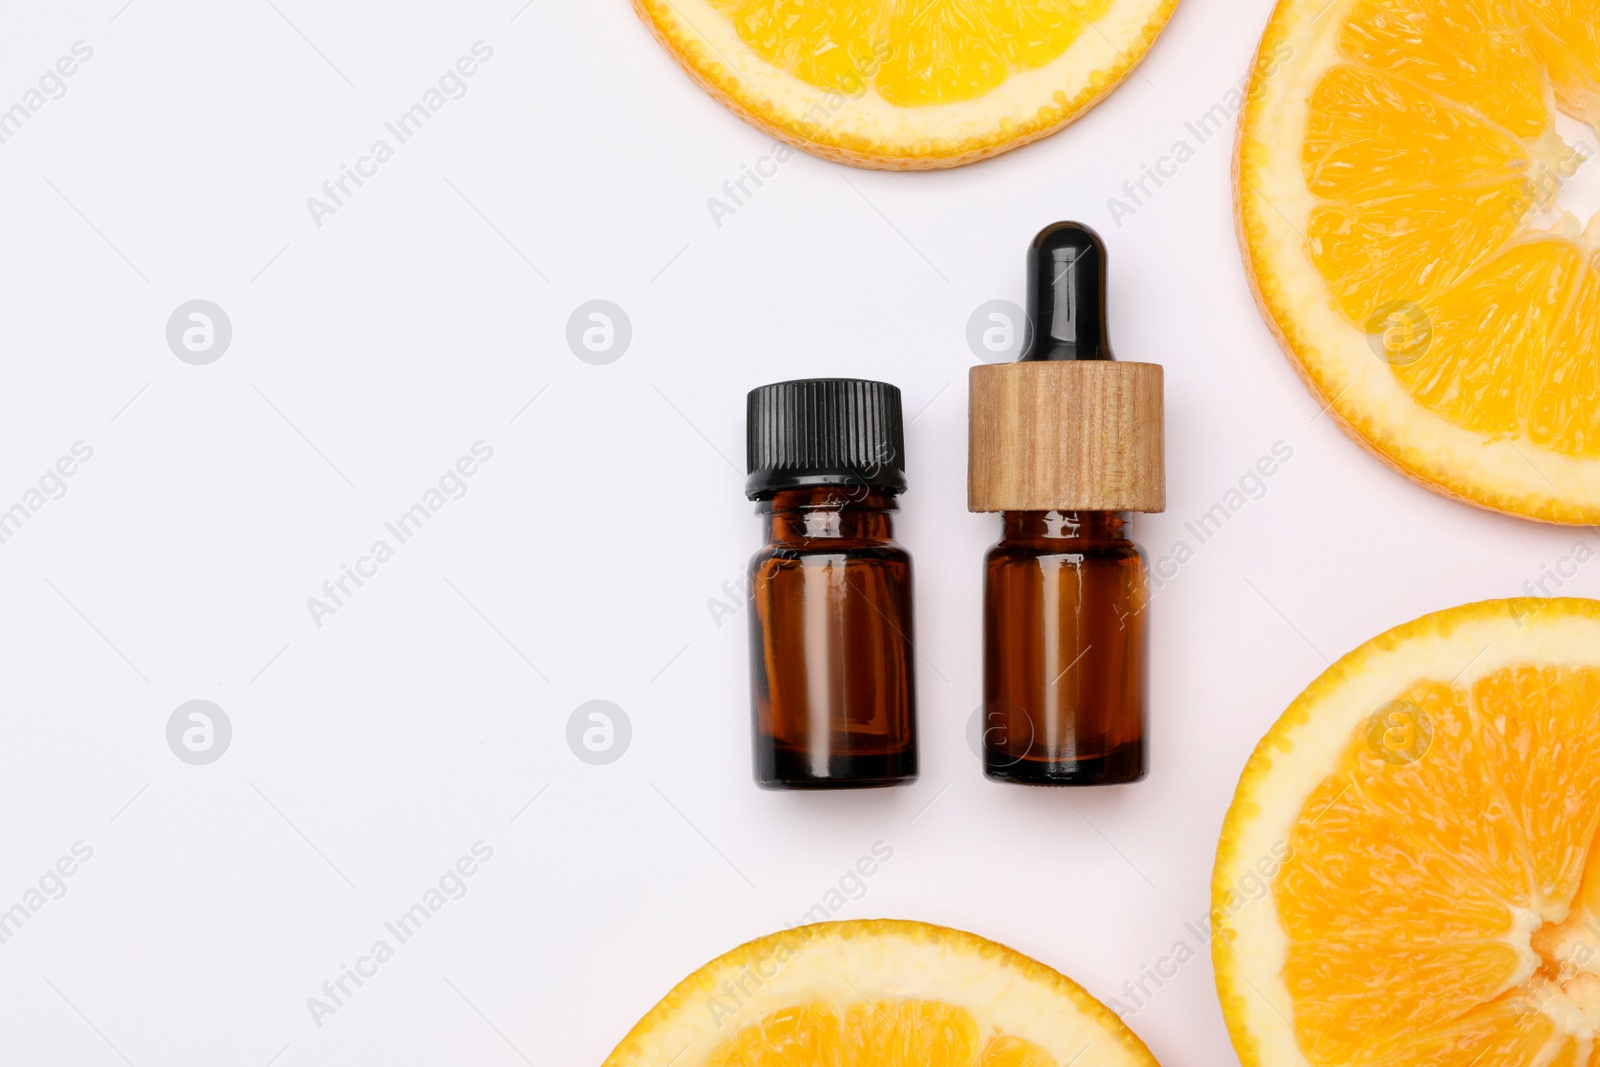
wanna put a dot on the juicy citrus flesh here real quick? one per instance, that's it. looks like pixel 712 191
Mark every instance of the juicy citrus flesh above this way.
pixel 1400 195
pixel 878 993
pixel 908 84
pixel 1495 825
pixel 1432 148
pixel 880 1033
pixel 1438 899
pixel 937 52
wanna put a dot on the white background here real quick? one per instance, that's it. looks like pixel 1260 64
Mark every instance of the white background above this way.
pixel 369 353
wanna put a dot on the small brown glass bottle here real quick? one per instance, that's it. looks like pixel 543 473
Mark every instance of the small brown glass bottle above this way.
pixel 830 635
pixel 1065 442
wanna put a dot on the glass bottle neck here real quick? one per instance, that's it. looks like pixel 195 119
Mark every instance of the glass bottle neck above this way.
pixel 828 512
pixel 1066 525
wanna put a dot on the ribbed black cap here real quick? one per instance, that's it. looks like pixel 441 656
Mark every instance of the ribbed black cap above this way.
pixel 825 431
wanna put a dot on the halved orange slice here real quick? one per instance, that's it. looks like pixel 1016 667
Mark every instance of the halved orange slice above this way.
pixel 1399 185
pixel 878 993
pixel 1409 875
pixel 907 84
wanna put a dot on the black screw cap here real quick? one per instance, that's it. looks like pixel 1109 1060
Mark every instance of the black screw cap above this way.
pixel 824 431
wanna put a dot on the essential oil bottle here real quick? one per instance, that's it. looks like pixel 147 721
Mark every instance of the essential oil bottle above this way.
pixel 831 673
pixel 1065 443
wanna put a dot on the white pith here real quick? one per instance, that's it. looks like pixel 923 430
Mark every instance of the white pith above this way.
pixel 1068 81
pixel 736 992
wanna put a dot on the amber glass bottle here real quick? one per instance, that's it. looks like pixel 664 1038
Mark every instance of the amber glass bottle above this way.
pixel 1064 650
pixel 832 679
pixel 1065 443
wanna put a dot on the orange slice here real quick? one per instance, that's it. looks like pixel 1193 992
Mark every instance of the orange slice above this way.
pixel 1409 874
pixel 878 993
pixel 1400 192
pixel 907 84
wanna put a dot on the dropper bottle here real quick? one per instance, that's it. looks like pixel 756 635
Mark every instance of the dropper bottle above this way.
pixel 1065 443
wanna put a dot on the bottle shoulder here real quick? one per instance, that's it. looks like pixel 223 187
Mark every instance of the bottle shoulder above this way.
pixel 798 552
pixel 1113 550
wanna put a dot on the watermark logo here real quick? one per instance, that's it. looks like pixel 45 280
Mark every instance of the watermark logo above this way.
pixel 975 731
pixel 989 736
pixel 998 331
pixel 52 485
pixel 51 885
pixel 598 732
pixel 451 85
pixel 1399 333
pixel 451 885
pixel 737 991
pixel 1252 887
pixel 1399 733
pixel 1251 486
pixel 199 732
pixel 738 191
pixel 451 485
pixel 1552 577
pixel 50 86
pixel 1539 190
pixel 1215 124
pixel 199 332
pixel 599 332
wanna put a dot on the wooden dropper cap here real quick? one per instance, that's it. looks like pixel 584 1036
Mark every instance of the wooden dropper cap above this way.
pixel 1066 427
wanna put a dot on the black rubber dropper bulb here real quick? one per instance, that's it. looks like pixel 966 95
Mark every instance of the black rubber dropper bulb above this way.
pixel 1067 295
